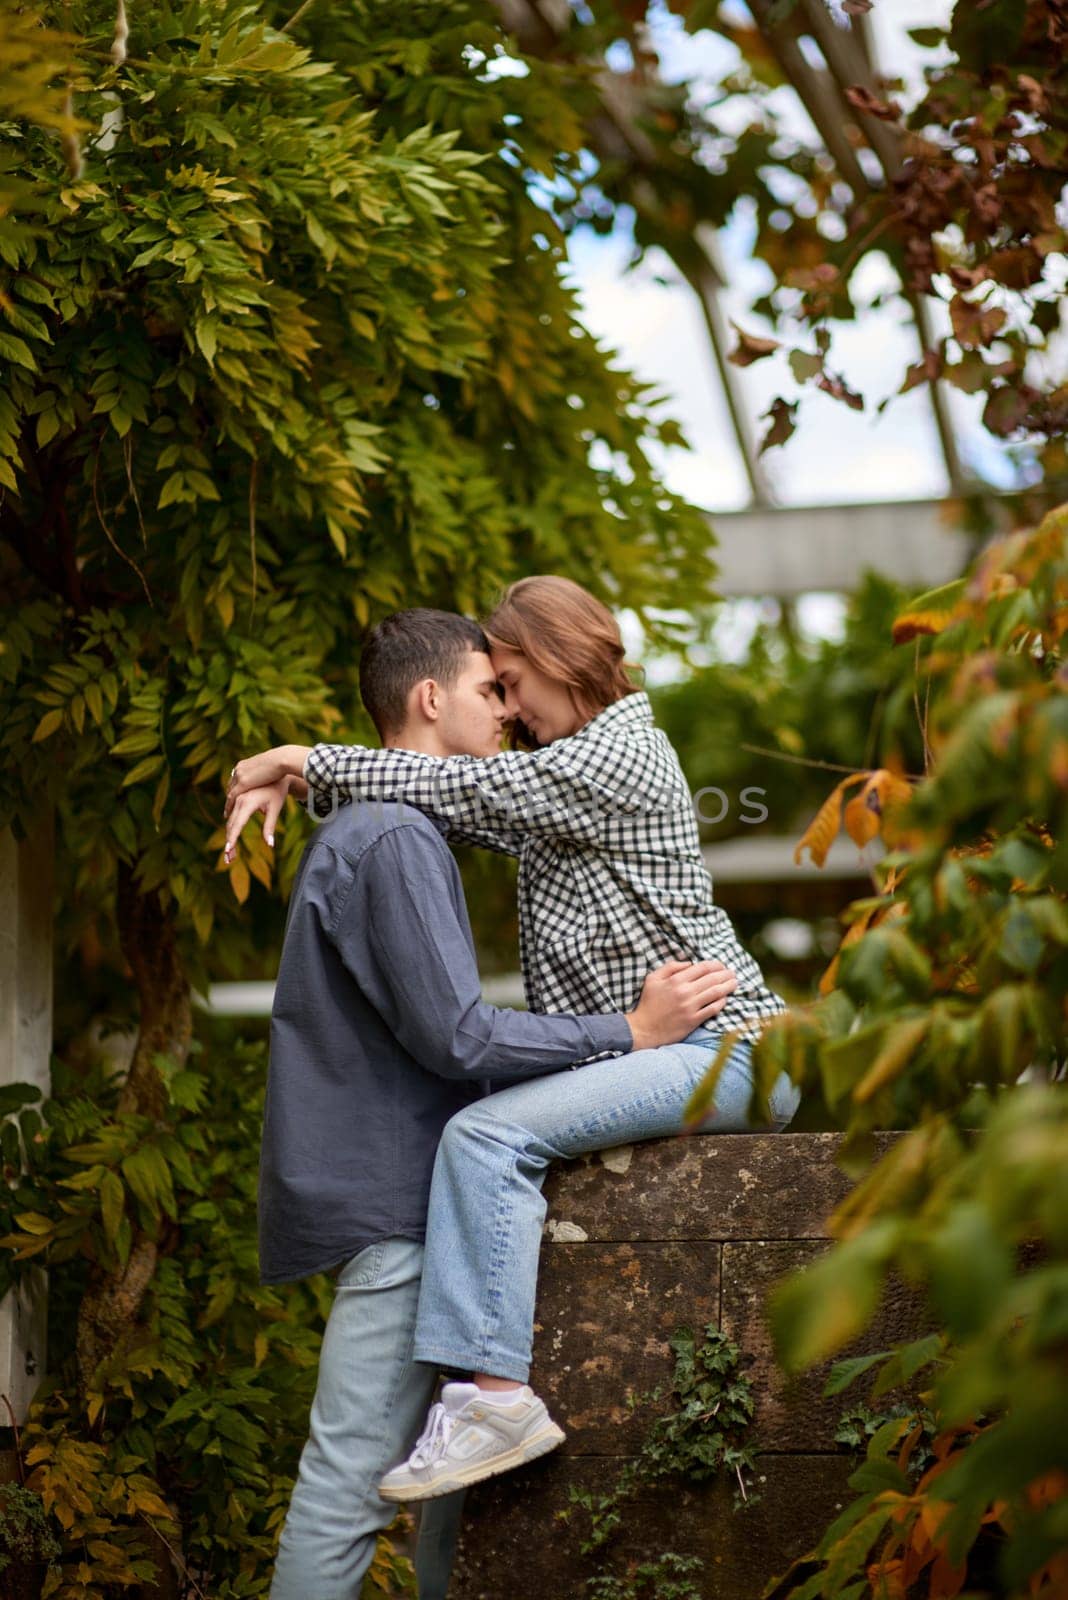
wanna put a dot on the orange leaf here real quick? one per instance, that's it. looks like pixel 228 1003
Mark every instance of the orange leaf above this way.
pixel 932 1514
pixel 946 1581
pixel 884 792
pixel 861 815
pixel 820 833
pixel 911 623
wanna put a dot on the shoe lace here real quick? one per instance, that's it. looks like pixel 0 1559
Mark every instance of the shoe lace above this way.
pixel 434 1438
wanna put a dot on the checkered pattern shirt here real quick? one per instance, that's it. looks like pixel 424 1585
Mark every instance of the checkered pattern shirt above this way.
pixel 611 880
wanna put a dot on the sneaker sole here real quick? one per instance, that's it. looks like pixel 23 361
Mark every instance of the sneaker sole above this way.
pixel 539 1444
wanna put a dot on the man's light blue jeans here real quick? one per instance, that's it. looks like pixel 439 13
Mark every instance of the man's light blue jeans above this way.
pixel 370 1403
pixel 476 1305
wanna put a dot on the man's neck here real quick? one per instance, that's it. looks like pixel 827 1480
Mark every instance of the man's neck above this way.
pixel 424 741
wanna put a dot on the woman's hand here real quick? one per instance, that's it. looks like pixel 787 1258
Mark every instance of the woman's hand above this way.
pixel 265 770
pixel 268 798
pixel 676 999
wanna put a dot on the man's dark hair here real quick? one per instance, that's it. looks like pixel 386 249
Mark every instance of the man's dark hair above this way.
pixel 406 648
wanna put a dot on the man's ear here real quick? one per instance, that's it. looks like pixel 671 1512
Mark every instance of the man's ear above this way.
pixel 426 701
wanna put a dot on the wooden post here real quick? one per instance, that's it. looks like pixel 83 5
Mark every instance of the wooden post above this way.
pixel 25 1049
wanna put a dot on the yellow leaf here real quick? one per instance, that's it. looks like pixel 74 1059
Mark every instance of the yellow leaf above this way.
pixel 259 864
pixel 224 605
pixel 33 1222
pixel 47 725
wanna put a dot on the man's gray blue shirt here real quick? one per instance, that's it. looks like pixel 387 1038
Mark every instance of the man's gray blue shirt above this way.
pixel 378 1035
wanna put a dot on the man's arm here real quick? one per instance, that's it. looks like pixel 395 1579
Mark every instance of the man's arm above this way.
pixel 399 936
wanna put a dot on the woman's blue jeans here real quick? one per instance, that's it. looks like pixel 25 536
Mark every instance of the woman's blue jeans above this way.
pixel 480 1269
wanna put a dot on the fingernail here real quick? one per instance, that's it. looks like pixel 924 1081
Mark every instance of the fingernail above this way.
pixel 270 840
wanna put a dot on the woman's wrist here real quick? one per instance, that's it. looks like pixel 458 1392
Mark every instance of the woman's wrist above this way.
pixel 294 757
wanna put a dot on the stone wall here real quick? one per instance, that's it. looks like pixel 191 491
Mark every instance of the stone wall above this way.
pixel 640 1241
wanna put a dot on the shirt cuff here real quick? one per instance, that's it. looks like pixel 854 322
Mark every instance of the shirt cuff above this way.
pixel 318 771
pixel 610 1032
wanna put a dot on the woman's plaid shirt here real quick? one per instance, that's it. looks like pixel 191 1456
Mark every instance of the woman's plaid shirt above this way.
pixel 611 881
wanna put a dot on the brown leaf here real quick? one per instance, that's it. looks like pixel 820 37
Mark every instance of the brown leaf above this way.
pixel 1036 95
pixel 986 204
pixel 750 348
pixel 1007 408
pixel 867 102
pixel 1017 267
pixel 820 276
pixel 783 414
pixel 925 371
pixel 972 325
pixel 838 389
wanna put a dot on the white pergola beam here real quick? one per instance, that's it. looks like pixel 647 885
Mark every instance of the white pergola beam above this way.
pixel 25 1051
pixel 794 550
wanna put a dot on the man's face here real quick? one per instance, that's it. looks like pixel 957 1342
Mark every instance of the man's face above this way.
pixel 472 715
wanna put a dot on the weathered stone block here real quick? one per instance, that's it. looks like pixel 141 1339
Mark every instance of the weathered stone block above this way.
pixel 587 1363
pixel 722 1186
pixel 515 1545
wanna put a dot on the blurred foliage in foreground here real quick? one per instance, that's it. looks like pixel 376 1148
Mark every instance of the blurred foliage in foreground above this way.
pixel 950 984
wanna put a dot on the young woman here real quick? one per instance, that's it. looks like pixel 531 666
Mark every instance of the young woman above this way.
pixel 611 884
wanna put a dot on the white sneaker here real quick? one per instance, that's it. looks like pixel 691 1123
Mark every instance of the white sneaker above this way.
pixel 468 1438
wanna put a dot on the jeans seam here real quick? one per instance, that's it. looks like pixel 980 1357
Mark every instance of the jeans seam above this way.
pixel 491 1309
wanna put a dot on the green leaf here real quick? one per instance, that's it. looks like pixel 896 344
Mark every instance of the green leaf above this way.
pixel 843 1373
pixel 112 1205
pixel 47 427
pixel 13 1096
pixel 14 349
pixel 804 365
pixel 206 333
pixel 144 769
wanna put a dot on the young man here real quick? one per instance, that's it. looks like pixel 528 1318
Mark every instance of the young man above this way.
pixel 378 1036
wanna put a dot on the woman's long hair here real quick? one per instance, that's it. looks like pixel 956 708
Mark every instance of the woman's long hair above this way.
pixel 567 634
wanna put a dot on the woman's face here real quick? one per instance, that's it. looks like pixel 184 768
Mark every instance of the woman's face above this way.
pixel 543 704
